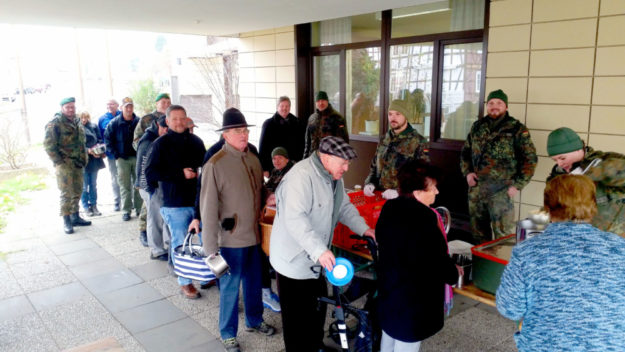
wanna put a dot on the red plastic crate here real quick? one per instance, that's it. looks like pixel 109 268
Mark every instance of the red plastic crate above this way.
pixel 369 208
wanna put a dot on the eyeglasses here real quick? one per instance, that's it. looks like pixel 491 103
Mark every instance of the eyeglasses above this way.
pixel 240 130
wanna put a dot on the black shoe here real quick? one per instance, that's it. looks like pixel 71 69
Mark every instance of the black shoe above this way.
pixel 78 221
pixel 138 212
pixel 126 216
pixel 89 211
pixel 207 285
pixel 143 237
pixel 164 257
pixel 95 210
pixel 67 225
pixel 117 208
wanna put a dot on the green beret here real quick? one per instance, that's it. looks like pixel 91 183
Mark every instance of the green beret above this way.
pixel 279 151
pixel 68 100
pixel 161 96
pixel 321 95
pixel 563 140
pixel 498 94
pixel 400 106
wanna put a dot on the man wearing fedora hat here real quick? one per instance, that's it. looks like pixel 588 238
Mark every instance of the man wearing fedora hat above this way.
pixel 230 204
pixel 498 159
pixel 606 169
pixel 401 144
pixel 64 142
pixel 325 121
pixel 311 200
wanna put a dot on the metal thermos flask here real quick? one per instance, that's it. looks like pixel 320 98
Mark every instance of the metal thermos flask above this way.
pixel 217 264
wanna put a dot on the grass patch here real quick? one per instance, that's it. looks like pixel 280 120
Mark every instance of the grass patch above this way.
pixel 12 193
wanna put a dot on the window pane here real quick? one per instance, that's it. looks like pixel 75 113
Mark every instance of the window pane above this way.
pixel 438 17
pixel 462 69
pixel 326 77
pixel 411 80
pixel 363 91
pixel 346 30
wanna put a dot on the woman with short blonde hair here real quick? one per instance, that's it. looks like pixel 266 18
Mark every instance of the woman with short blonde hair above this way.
pixel 566 284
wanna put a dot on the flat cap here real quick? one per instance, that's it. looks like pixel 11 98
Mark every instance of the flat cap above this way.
pixel 338 147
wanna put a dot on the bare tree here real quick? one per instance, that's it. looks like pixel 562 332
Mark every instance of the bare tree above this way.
pixel 220 78
pixel 13 150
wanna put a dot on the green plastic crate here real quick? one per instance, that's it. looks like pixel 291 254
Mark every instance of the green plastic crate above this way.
pixel 489 261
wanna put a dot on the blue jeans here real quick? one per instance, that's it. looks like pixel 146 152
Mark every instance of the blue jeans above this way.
pixel 245 266
pixel 89 189
pixel 178 220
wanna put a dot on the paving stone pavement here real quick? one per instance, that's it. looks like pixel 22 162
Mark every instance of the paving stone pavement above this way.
pixel 62 291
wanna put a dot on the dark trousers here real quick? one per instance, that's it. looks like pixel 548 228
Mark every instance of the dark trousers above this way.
pixel 265 267
pixel 303 316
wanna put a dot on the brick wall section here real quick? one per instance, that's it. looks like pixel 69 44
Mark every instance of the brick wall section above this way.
pixel 561 63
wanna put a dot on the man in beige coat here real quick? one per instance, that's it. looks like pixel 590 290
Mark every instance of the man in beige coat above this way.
pixel 230 200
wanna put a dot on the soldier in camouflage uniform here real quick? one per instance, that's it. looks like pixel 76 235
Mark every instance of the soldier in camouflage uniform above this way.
pixel 64 142
pixel 325 121
pixel 607 170
pixel 399 145
pixel 498 159
pixel 163 101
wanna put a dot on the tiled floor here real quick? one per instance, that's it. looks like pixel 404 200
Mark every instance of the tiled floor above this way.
pixel 61 291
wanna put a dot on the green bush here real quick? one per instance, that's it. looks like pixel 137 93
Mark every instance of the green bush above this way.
pixel 11 192
pixel 143 94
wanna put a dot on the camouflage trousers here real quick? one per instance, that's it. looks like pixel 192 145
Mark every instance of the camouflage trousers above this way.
pixel 490 214
pixel 610 217
pixel 69 180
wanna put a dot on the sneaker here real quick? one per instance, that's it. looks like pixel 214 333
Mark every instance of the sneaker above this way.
pixel 89 211
pixel 207 285
pixel 231 345
pixel 95 210
pixel 126 216
pixel 271 301
pixel 262 328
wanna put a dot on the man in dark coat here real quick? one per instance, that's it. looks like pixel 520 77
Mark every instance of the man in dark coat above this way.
pixel 325 121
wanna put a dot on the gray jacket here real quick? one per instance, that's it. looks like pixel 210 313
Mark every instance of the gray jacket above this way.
pixel 307 211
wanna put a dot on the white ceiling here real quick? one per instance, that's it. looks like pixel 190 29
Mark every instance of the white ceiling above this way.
pixel 204 17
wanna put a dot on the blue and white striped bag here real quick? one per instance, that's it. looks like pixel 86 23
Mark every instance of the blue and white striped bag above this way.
pixel 189 261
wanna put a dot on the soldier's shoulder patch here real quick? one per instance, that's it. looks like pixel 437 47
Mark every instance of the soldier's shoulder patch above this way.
pixel 525 133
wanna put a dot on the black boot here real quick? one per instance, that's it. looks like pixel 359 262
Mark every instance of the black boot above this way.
pixel 78 221
pixel 95 210
pixel 143 237
pixel 67 225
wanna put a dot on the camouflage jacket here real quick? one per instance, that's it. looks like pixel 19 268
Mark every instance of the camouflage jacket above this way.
pixel 65 141
pixel 143 125
pixel 500 152
pixel 609 178
pixel 328 122
pixel 394 151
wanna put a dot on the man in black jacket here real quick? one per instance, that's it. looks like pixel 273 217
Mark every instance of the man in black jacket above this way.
pixel 156 235
pixel 173 163
pixel 283 129
pixel 118 139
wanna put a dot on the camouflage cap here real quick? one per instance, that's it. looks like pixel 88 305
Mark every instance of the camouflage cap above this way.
pixel 338 147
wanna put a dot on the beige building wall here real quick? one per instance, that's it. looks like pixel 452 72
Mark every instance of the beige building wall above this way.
pixel 266 72
pixel 562 63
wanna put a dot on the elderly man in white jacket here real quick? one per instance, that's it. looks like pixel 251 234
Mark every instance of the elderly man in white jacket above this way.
pixel 310 200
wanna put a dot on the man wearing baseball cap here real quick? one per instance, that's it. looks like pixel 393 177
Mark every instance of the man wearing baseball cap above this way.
pixel 498 159
pixel 64 142
pixel 311 200
pixel 606 169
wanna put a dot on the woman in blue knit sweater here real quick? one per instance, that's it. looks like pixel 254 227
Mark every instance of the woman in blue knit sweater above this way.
pixel 567 285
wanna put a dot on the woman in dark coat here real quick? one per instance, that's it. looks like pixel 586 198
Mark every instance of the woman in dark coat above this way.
pixel 414 264
pixel 89 196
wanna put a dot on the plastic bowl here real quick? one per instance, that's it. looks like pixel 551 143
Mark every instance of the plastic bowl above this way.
pixel 342 273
